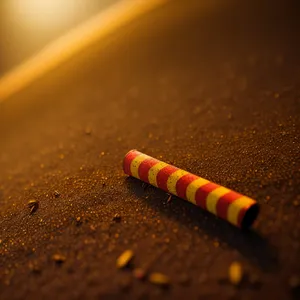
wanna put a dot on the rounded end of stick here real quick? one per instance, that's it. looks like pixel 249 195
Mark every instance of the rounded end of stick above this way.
pixel 250 216
pixel 130 155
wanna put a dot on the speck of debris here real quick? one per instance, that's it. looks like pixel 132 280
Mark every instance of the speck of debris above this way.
pixel 235 273
pixel 294 282
pixel 88 131
pixel 169 198
pixel 124 259
pixel 58 258
pixel 159 279
pixel 56 194
pixel 139 273
pixel 34 268
pixel 117 218
pixel 33 205
pixel 78 221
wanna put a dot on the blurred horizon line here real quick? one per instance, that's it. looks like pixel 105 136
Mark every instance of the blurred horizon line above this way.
pixel 74 41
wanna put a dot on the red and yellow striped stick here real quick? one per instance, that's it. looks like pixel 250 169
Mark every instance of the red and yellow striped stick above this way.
pixel 237 209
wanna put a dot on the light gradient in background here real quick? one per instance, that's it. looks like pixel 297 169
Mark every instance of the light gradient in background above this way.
pixel 78 38
pixel 26 26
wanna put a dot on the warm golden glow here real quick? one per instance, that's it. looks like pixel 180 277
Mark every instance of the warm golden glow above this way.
pixel 59 51
pixel 43 13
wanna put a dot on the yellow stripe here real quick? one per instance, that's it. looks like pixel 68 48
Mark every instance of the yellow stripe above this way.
pixel 213 198
pixel 235 208
pixel 154 171
pixel 193 187
pixel 134 166
pixel 172 180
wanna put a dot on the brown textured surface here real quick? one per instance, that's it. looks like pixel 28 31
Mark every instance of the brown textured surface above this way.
pixel 215 93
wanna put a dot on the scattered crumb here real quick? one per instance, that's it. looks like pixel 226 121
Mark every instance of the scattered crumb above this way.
pixel 78 221
pixel 34 268
pixel 124 259
pixel 88 131
pixel 235 273
pixel 139 273
pixel 58 258
pixel 159 279
pixel 56 194
pixel 33 206
pixel 117 218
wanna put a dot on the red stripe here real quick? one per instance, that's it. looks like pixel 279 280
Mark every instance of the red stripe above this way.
pixel 183 183
pixel 224 202
pixel 202 193
pixel 144 168
pixel 130 156
pixel 163 175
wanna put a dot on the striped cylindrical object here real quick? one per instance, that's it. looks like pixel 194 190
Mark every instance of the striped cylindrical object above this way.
pixel 237 209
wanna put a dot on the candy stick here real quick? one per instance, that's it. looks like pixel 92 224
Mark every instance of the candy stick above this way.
pixel 237 209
